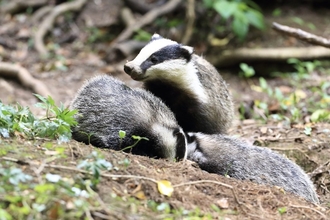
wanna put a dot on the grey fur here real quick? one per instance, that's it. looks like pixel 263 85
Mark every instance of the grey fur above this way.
pixel 229 156
pixel 212 114
pixel 106 105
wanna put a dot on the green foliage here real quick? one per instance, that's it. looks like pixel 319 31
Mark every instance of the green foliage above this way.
pixel 142 35
pixel 95 163
pixel 122 135
pixel 282 210
pixel 243 13
pixel 303 68
pixel 247 71
pixel 20 119
pixel 170 213
pixel 301 102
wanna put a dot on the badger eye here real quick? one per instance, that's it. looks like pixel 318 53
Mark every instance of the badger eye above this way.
pixel 153 59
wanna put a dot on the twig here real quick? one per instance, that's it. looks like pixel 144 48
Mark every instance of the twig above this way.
pixel 16 71
pixel 48 22
pixel 306 207
pixel 60 167
pixel 146 19
pixel 190 15
pixel 213 182
pixel 302 35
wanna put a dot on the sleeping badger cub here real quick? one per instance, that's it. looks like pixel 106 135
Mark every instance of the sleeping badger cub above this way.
pixel 106 106
pixel 189 85
pixel 229 156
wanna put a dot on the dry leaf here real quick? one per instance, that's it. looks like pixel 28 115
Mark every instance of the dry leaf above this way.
pixel 165 187
pixel 140 195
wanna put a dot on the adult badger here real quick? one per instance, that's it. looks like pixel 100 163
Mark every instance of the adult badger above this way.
pixel 106 106
pixel 226 155
pixel 187 83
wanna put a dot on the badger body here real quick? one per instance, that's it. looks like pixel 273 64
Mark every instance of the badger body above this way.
pixel 189 85
pixel 106 106
pixel 226 155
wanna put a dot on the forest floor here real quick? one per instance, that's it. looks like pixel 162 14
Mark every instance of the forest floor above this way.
pixel 194 189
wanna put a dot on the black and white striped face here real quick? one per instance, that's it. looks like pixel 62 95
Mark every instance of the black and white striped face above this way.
pixel 160 58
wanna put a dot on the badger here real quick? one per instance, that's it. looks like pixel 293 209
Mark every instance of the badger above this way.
pixel 106 105
pixel 189 85
pixel 228 156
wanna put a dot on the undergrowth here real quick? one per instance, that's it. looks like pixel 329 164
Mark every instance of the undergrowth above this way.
pixel 308 100
pixel 19 120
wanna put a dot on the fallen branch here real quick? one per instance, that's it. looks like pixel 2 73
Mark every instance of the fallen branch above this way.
pixel 146 19
pixel 302 35
pixel 231 57
pixel 20 73
pixel 48 23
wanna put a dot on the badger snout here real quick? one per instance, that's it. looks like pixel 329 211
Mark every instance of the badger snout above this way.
pixel 134 71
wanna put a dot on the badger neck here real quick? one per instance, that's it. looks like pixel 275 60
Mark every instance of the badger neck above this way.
pixel 183 82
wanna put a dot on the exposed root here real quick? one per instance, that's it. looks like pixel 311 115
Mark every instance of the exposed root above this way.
pixel 20 73
pixel 190 16
pixel 16 6
pixel 48 22
pixel 146 19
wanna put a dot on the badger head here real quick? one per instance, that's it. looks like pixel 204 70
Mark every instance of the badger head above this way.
pixel 161 57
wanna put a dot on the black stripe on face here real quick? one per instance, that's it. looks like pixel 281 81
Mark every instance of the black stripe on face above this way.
pixel 171 52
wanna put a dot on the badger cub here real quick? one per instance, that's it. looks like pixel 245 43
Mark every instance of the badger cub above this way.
pixel 187 83
pixel 228 156
pixel 106 105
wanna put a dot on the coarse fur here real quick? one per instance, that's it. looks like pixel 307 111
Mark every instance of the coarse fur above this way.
pixel 187 83
pixel 226 155
pixel 106 106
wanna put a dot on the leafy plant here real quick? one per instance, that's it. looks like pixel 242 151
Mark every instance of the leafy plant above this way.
pixel 243 13
pixel 95 164
pixel 122 135
pixel 20 119
pixel 247 71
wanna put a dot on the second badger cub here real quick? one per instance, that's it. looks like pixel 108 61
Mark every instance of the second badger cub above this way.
pixel 187 83
pixel 106 105
pixel 225 155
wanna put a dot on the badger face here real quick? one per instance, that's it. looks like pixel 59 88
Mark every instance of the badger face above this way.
pixel 161 57
pixel 172 141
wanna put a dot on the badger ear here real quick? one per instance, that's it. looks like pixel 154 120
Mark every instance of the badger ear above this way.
pixel 187 48
pixel 155 36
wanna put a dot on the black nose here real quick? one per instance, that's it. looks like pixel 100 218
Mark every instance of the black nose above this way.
pixel 128 69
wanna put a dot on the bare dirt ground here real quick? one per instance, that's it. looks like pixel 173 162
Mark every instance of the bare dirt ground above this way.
pixel 245 200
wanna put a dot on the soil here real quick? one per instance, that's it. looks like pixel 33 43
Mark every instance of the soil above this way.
pixel 245 199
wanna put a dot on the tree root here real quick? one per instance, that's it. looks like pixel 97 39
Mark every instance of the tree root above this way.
pixel 20 73
pixel 232 57
pixel 13 7
pixel 48 23
pixel 190 16
pixel 146 19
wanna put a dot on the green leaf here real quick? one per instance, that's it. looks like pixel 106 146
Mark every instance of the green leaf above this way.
pixel 122 134
pixel 225 8
pixel 240 26
pixel 255 18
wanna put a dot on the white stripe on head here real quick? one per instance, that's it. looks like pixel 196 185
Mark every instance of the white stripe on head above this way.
pixel 179 72
pixel 150 48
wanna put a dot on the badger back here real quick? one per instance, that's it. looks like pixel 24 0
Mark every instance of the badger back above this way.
pixel 226 155
pixel 106 106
